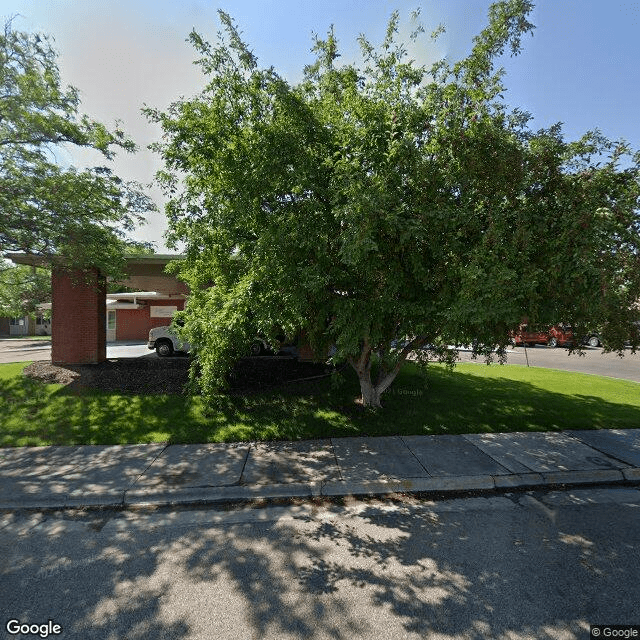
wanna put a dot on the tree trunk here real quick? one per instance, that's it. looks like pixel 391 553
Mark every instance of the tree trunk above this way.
pixel 370 393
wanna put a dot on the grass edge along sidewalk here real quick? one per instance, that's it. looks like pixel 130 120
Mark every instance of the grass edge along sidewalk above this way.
pixel 473 398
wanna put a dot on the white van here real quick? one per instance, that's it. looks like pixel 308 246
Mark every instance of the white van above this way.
pixel 165 342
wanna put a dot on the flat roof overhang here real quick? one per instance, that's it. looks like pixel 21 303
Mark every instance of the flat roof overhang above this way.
pixel 141 272
pixel 135 263
pixel 27 259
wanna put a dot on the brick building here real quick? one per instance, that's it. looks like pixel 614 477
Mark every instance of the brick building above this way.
pixel 130 316
pixel 80 321
pixel 84 316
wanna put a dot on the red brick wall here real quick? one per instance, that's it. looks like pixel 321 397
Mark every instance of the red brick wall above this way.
pixel 78 317
pixel 305 352
pixel 134 324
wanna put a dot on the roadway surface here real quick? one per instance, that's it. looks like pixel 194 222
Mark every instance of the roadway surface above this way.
pixel 520 566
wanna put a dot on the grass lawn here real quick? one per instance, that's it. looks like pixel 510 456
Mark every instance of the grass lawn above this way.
pixel 473 398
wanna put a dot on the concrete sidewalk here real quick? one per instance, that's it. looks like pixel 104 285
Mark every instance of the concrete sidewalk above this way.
pixel 55 477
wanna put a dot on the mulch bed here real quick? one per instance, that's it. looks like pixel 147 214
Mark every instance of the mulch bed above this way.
pixel 170 375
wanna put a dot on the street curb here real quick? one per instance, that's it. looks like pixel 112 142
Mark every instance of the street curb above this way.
pixel 65 501
pixel 113 498
pixel 432 485
pixel 516 480
pixel 583 477
pixel 631 474
pixel 140 497
pixel 52 501
pixel 409 485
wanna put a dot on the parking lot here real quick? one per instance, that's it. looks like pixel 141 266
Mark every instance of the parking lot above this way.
pixel 594 361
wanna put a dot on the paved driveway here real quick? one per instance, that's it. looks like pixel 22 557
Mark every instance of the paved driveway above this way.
pixel 13 350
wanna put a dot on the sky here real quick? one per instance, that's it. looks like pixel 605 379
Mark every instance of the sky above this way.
pixel 581 67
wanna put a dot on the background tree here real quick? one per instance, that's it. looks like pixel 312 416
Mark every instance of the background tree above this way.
pixel 22 288
pixel 75 217
pixel 387 201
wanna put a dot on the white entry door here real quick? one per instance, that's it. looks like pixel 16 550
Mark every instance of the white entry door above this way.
pixel 111 326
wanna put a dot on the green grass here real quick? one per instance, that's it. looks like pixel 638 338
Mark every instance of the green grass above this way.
pixel 472 398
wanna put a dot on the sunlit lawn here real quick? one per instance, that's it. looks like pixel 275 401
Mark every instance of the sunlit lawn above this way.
pixel 472 398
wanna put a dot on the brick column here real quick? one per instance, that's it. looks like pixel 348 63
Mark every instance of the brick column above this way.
pixel 305 352
pixel 78 317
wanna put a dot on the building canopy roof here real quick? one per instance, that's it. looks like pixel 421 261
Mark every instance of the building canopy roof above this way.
pixel 143 272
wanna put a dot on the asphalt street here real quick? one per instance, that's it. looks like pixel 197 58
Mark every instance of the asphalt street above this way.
pixel 520 566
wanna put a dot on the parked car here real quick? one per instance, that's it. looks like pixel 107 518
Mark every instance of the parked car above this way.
pixel 592 339
pixel 165 342
pixel 558 335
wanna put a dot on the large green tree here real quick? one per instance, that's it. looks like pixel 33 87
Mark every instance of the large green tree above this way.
pixel 77 217
pixel 385 206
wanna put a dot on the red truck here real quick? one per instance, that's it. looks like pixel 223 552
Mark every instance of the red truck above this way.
pixel 558 335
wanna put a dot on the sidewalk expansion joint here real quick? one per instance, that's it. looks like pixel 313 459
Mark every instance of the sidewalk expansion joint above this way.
pixel 244 464
pixel 415 456
pixel 335 457
pixel 604 453
pixel 133 482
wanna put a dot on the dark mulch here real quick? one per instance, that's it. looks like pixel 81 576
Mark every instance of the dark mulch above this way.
pixel 170 375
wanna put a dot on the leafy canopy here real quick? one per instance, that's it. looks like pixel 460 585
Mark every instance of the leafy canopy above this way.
pixel 75 217
pixel 385 200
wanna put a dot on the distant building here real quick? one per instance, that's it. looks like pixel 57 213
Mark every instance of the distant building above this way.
pixel 25 326
pixel 84 316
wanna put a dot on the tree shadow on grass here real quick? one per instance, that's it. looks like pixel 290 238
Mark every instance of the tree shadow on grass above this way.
pixel 32 413
pixel 458 402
